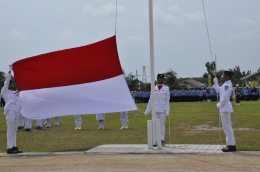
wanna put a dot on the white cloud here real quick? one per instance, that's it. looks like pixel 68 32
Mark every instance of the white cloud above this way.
pixel 65 34
pixel 244 22
pixel 17 35
pixel 244 29
pixel 103 11
pixel 175 16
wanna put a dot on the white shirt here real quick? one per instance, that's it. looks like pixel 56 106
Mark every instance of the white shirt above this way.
pixel 162 98
pixel 9 96
pixel 224 91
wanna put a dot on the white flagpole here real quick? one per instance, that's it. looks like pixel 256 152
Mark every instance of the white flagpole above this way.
pixel 152 58
pixel 153 126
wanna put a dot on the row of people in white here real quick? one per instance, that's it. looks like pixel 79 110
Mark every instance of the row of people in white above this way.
pixel 100 117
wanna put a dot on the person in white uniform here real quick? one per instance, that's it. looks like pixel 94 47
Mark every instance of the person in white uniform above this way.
pixel 124 119
pixel 57 121
pixel 162 105
pixel 28 124
pixel 78 122
pixel 101 119
pixel 11 114
pixel 225 110
pixel 19 105
pixel 48 123
pixel 38 124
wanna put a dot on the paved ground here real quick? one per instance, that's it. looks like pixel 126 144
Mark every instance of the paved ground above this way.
pixel 93 160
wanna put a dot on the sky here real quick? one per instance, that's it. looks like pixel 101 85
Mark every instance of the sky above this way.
pixel 33 27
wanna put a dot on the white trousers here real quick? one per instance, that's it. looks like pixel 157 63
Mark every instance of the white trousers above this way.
pixel 21 120
pixel 28 123
pixel 48 122
pixel 12 119
pixel 124 117
pixel 227 127
pixel 57 120
pixel 78 120
pixel 39 122
pixel 162 117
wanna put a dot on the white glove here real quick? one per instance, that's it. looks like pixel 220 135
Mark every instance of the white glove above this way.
pixel 218 105
pixel 10 67
pixel 167 113
pixel 146 113
pixel 215 80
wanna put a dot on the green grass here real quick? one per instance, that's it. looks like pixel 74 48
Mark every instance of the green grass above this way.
pixel 183 117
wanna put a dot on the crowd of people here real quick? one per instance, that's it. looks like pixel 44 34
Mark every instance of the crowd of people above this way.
pixel 199 94
pixel 163 97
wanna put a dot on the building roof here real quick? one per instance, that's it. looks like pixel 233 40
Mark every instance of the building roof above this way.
pixel 255 74
pixel 193 82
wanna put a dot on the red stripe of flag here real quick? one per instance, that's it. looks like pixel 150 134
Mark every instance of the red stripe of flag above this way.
pixel 90 63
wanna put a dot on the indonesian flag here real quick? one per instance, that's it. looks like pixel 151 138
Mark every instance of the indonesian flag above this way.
pixel 82 80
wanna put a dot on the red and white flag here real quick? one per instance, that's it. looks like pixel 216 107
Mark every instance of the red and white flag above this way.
pixel 82 80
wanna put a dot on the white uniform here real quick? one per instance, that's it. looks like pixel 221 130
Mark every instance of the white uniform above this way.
pixel 124 119
pixel 28 124
pixel 48 122
pixel 11 113
pixel 21 119
pixel 101 118
pixel 57 121
pixel 162 106
pixel 78 122
pixel 39 122
pixel 225 109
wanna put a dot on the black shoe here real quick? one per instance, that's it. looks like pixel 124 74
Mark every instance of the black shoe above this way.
pixel 11 151
pixel 39 128
pixel 163 145
pixel 27 129
pixel 229 148
pixel 19 127
pixel 17 150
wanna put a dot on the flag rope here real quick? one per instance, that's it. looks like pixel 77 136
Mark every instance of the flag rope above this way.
pixel 116 18
pixel 212 61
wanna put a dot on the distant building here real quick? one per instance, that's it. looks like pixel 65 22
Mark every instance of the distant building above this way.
pixel 194 82
pixel 255 75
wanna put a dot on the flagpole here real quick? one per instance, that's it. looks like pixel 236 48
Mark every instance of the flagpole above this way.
pixel 153 126
pixel 152 57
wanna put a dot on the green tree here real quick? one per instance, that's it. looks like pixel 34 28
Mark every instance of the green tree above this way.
pixel 132 82
pixel 2 78
pixel 211 70
pixel 171 79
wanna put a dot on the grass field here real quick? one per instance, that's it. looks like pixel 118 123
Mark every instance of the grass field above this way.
pixel 183 119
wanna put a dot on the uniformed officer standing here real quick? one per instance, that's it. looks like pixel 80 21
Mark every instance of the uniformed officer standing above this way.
pixel 238 94
pixel 124 119
pixel 225 109
pixel 11 114
pixel 19 106
pixel 101 119
pixel 162 105
pixel 78 122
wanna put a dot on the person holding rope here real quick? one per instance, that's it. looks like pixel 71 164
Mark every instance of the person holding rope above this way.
pixel 11 111
pixel 225 109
